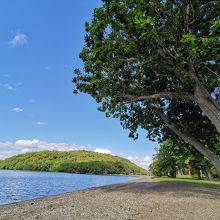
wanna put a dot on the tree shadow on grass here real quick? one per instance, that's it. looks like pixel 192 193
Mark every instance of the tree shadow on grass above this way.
pixel 175 189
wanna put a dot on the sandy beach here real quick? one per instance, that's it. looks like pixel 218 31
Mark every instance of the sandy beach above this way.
pixel 138 199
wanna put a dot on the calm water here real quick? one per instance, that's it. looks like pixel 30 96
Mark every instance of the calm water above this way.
pixel 24 185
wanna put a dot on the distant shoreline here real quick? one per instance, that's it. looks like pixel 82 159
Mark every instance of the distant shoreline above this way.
pixel 141 198
pixel 132 175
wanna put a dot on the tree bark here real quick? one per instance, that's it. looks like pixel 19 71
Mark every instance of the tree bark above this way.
pixel 208 173
pixel 172 174
pixel 199 174
pixel 205 101
pixel 190 173
pixel 208 105
pixel 215 160
pixel 181 171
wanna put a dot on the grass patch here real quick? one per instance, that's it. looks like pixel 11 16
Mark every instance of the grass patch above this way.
pixel 191 181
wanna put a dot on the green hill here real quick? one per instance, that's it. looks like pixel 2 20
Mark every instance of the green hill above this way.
pixel 71 162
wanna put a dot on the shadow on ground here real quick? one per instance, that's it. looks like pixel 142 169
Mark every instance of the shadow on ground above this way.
pixel 176 189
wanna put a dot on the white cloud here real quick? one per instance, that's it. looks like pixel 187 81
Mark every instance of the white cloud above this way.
pixel 102 151
pixel 19 39
pixel 8 149
pixel 7 86
pixel 36 144
pixel 5 144
pixel 17 109
pixel 141 161
pixel 5 154
pixel 27 143
pixel 22 146
pixel 25 150
pixel 11 87
pixel 40 123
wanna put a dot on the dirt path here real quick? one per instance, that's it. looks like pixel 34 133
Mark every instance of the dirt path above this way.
pixel 138 199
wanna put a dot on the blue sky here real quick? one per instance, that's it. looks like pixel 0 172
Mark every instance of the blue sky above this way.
pixel 39 46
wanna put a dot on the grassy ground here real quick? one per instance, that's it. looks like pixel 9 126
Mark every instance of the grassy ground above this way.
pixel 191 181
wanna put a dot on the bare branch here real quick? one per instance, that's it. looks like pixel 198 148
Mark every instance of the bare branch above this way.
pixel 216 44
pixel 211 71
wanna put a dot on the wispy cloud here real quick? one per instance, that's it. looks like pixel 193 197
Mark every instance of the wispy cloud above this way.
pixel 32 100
pixel 17 109
pixel 40 123
pixel 5 154
pixel 141 161
pixel 7 86
pixel 11 87
pixel 19 40
pixel 6 75
pixel 19 83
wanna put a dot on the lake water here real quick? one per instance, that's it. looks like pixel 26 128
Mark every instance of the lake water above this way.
pixel 24 185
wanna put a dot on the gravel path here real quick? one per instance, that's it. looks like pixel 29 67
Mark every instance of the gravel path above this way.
pixel 138 199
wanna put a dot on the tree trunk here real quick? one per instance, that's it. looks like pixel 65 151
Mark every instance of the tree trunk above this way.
pixel 199 175
pixel 190 173
pixel 172 174
pixel 215 160
pixel 208 173
pixel 208 105
pixel 181 172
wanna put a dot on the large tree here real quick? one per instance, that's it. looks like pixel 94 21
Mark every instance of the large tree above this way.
pixel 138 50
pixel 141 56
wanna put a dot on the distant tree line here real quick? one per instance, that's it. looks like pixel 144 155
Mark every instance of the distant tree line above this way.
pixel 173 158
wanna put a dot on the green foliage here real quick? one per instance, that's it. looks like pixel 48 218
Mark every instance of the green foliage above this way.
pixel 72 162
pixel 135 47
pixel 177 156
pixel 165 162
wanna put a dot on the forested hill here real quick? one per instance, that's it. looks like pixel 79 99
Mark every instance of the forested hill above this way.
pixel 71 162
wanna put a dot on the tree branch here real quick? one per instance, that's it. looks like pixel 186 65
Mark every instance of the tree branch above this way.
pixel 211 71
pixel 186 136
pixel 170 95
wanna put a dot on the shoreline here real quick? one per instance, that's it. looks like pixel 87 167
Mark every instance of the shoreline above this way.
pixel 37 171
pixel 141 198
